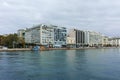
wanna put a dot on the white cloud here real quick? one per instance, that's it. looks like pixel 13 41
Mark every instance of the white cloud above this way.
pixel 6 4
pixel 98 15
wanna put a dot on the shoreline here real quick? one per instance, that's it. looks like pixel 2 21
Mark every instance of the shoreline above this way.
pixel 81 48
pixel 15 49
pixel 29 49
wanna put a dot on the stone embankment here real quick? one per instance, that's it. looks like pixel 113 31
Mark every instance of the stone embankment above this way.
pixel 42 49
pixel 16 49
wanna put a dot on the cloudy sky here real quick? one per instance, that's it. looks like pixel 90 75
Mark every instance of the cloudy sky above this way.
pixel 94 15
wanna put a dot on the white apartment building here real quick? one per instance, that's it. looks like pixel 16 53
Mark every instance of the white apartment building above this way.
pixel 87 39
pixel 105 41
pixel 48 35
pixel 93 38
pixel 40 34
pixel 114 41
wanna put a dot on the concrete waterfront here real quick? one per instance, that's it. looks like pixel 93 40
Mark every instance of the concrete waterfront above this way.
pixel 16 49
pixel 29 49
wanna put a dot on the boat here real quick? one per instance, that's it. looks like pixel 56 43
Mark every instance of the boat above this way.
pixel 36 48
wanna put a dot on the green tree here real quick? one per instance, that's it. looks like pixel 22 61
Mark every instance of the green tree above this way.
pixel 21 42
pixel 1 40
pixel 8 40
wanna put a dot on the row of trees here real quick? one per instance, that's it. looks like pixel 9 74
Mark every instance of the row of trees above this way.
pixel 11 41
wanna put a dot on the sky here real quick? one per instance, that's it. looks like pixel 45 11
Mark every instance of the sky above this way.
pixel 95 15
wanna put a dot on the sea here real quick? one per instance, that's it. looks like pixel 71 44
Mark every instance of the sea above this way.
pixel 85 64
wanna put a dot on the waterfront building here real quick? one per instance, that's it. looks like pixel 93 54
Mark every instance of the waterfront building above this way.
pixel 40 34
pixel 71 38
pixel 60 36
pixel 105 41
pixel 77 37
pixel 84 38
pixel 114 42
pixel 48 35
pixel 71 42
pixel 95 38
pixel 21 33
pixel 55 36
pixel 87 37
pixel 28 36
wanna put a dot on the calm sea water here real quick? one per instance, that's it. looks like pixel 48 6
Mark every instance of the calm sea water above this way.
pixel 92 64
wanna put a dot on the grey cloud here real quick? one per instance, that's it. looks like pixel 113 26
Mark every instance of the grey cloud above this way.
pixel 99 15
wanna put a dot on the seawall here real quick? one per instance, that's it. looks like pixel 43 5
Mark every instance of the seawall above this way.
pixel 29 49
pixel 15 49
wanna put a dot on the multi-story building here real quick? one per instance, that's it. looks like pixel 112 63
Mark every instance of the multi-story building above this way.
pixel 105 41
pixel 93 38
pixel 55 36
pixel 48 35
pixel 114 41
pixel 40 34
pixel 32 35
pixel 21 33
pixel 60 36
pixel 77 37
pixel 87 38
pixel 71 38
pixel 80 38
pixel 71 42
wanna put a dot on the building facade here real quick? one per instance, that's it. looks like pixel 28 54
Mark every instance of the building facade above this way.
pixel 77 38
pixel 114 42
pixel 32 35
pixel 48 35
pixel 55 36
pixel 95 39
pixel 40 34
pixel 80 38
pixel 105 41
pixel 21 33
pixel 60 36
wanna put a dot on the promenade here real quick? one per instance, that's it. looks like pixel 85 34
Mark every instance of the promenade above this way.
pixel 15 49
pixel 29 49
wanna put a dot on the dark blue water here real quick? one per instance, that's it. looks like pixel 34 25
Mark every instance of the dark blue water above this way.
pixel 92 64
